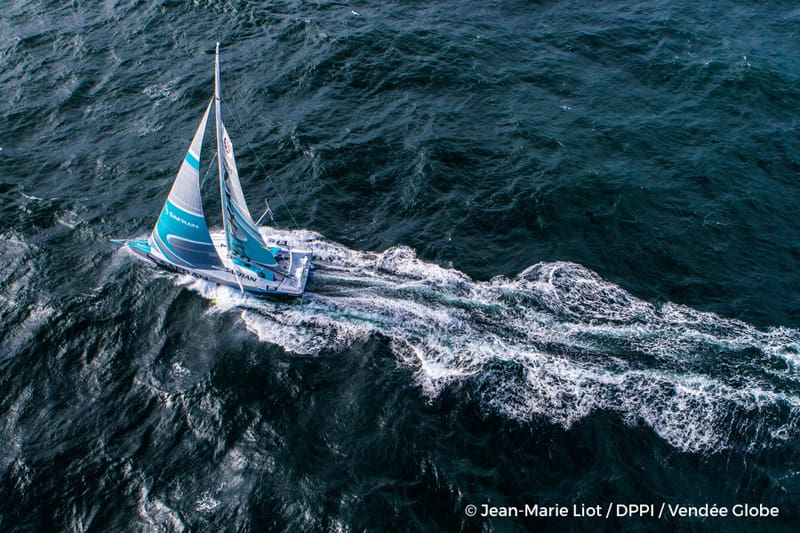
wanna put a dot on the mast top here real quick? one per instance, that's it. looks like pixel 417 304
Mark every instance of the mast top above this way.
pixel 216 77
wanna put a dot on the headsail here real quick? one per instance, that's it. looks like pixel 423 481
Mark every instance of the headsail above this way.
pixel 243 237
pixel 181 233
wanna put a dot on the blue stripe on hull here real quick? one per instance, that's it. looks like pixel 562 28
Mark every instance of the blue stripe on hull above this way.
pixel 143 249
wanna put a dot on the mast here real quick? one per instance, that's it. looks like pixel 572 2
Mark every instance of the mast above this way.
pixel 217 126
pixel 245 243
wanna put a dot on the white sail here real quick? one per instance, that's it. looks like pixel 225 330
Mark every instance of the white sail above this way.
pixel 244 240
pixel 181 232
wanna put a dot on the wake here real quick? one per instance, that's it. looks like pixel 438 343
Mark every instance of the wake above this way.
pixel 556 341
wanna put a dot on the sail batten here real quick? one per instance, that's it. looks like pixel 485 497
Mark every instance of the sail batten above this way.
pixel 181 233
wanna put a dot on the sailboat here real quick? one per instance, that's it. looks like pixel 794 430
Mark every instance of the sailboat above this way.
pixel 181 241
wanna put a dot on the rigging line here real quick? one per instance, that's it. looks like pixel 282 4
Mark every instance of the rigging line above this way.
pixel 210 166
pixel 264 170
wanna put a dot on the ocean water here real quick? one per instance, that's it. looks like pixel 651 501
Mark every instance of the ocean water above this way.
pixel 557 250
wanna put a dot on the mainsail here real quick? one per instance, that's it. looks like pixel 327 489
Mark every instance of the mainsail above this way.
pixel 244 241
pixel 181 233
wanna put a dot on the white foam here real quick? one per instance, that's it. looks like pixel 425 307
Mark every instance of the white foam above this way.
pixel 575 344
pixel 206 503
pixel 157 515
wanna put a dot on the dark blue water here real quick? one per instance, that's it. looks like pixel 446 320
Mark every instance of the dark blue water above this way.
pixel 557 247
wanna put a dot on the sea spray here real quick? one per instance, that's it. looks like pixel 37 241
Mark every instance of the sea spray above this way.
pixel 581 344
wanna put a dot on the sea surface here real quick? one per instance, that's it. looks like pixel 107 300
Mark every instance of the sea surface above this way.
pixel 557 257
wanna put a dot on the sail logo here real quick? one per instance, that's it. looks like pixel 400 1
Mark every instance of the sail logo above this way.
pixel 241 274
pixel 227 144
pixel 179 219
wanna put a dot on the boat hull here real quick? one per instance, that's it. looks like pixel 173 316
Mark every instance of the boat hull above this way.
pixel 290 274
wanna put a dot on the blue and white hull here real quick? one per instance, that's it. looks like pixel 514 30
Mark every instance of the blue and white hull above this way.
pixel 289 275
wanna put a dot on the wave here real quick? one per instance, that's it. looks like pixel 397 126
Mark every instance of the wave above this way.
pixel 556 341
